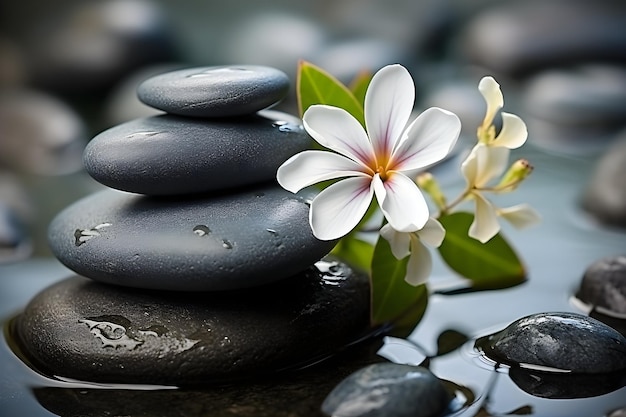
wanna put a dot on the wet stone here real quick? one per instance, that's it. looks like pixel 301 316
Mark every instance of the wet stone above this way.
pixel 211 242
pixel 220 91
pixel 389 390
pixel 558 342
pixel 167 154
pixel 85 330
pixel 605 195
pixel 604 285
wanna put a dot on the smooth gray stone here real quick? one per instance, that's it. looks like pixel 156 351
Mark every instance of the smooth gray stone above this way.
pixel 388 390
pixel 584 96
pixel 554 342
pixel 89 331
pixel 224 241
pixel 220 91
pixel 604 196
pixel 166 155
pixel 517 38
pixel 604 285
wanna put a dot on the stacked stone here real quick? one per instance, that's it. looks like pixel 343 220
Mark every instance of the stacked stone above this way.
pixel 195 266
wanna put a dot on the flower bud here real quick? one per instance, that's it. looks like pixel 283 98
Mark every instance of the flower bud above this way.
pixel 427 182
pixel 517 173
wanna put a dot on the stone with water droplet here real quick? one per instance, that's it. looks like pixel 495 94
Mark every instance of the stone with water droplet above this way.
pixel 201 243
pixel 558 342
pixel 388 390
pixel 604 285
pixel 165 155
pixel 85 330
pixel 220 91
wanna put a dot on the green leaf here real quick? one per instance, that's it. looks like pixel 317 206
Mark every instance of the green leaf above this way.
pixel 491 265
pixel 355 252
pixel 359 85
pixel 316 86
pixel 393 299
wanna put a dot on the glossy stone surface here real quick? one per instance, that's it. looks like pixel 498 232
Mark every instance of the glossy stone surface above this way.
pixel 388 390
pixel 86 330
pixel 604 285
pixel 219 91
pixel 556 342
pixel 211 242
pixel 166 155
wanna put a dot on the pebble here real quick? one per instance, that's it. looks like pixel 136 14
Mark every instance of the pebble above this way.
pixel 15 243
pixel 518 38
pixel 211 242
pixel 89 47
pixel 166 155
pixel 604 285
pixel 84 330
pixel 389 390
pixel 604 196
pixel 558 342
pixel 578 110
pixel 218 91
pixel 39 133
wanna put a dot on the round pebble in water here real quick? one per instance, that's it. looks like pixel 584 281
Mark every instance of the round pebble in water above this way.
pixel 85 330
pixel 220 91
pixel 165 155
pixel 217 242
pixel 604 285
pixel 604 196
pixel 558 342
pixel 388 390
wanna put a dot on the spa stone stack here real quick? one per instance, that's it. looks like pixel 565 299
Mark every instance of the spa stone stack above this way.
pixel 196 267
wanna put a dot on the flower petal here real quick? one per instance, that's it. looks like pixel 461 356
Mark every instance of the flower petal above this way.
pixel 513 133
pixel 432 233
pixel 427 140
pixel 492 94
pixel 398 242
pixel 484 164
pixel 336 129
pixel 310 167
pixel 520 216
pixel 485 224
pixel 402 202
pixel 338 208
pixel 389 102
pixel 420 264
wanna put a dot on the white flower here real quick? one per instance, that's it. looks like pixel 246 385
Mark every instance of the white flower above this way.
pixel 411 244
pixel 513 133
pixel 485 164
pixel 373 162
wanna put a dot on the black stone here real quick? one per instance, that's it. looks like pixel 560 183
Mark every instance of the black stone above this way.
pixel 604 285
pixel 220 91
pixel 389 390
pixel 217 242
pixel 85 330
pixel 558 342
pixel 165 155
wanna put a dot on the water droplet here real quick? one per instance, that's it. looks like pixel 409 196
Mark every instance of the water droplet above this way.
pixel 138 135
pixel 284 126
pixel 201 230
pixel 227 244
pixel 83 235
pixel 111 334
pixel 332 272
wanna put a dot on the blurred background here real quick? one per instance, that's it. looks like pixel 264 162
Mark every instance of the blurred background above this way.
pixel 69 69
